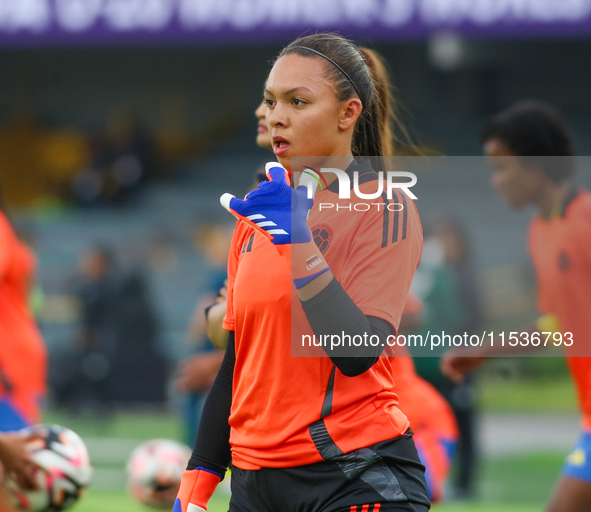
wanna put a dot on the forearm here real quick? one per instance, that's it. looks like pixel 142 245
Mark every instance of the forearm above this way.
pixel 5 503
pixel 333 312
pixel 215 320
pixel 212 446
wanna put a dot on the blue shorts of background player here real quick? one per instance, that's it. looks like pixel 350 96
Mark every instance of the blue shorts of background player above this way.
pixel 10 418
pixel 578 461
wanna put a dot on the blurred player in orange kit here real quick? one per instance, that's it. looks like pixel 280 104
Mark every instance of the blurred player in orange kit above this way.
pixel 530 148
pixel 429 414
pixel 333 425
pixel 23 360
pixel 22 356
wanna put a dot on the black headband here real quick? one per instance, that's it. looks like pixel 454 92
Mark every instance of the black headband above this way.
pixel 333 63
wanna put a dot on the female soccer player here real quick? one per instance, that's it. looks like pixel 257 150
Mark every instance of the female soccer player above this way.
pixel 313 433
pixel 430 417
pixel 22 350
pixel 531 151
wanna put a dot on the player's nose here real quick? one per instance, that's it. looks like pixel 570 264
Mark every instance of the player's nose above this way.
pixel 277 118
pixel 261 111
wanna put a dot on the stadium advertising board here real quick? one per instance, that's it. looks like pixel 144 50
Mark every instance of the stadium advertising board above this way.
pixel 32 22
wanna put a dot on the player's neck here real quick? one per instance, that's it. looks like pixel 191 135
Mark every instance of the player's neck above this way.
pixel 551 199
pixel 340 161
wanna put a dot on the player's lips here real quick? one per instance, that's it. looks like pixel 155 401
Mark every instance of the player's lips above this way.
pixel 280 146
pixel 263 128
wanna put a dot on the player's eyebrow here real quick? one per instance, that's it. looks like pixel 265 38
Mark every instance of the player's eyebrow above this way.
pixel 289 92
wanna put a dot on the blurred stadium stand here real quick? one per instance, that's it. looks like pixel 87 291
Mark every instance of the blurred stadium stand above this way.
pixel 195 87
pixel 156 234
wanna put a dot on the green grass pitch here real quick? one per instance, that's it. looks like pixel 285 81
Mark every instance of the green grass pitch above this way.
pixel 515 484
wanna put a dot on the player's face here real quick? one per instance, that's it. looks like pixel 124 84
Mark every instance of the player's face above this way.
pixel 514 181
pixel 304 116
pixel 263 137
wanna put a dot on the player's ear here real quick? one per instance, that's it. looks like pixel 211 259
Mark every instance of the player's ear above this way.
pixel 349 112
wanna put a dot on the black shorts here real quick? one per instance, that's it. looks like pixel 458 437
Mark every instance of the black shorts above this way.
pixel 386 477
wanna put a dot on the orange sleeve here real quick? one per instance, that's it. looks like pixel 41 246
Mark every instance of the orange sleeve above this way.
pixel 6 241
pixel 233 258
pixel 544 297
pixel 377 277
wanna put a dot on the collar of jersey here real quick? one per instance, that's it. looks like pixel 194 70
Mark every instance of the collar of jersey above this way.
pixel 360 165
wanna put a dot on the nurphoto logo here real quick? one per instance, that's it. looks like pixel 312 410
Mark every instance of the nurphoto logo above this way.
pixel 393 181
pixel 345 184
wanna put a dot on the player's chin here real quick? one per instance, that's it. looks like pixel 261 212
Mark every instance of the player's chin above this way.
pixel 285 161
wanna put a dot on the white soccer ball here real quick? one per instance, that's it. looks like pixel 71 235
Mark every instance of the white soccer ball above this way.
pixel 63 471
pixel 154 472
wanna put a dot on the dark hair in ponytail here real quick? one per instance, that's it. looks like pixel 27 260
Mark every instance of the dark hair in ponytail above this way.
pixel 396 139
pixel 383 89
pixel 356 80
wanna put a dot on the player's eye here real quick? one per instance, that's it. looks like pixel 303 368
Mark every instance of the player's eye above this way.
pixel 298 103
pixel 269 102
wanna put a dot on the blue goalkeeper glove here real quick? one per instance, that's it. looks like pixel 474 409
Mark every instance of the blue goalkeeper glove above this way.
pixel 279 212
pixel 274 209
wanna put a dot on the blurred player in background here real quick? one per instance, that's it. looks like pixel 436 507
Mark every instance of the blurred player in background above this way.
pixel 530 148
pixel 447 286
pixel 430 416
pixel 263 139
pixel 302 423
pixel 215 312
pixel 197 373
pixel 23 358
pixel 86 383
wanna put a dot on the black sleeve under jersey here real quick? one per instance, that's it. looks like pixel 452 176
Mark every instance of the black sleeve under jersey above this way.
pixel 333 312
pixel 212 446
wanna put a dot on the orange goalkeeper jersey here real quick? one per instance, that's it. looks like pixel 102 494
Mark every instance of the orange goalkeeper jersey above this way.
pixel 277 396
pixel 560 249
pixel 22 351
